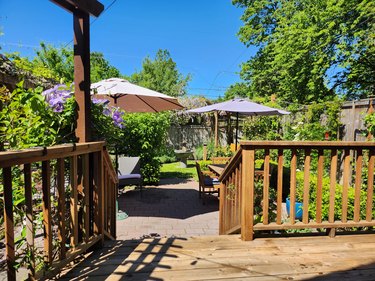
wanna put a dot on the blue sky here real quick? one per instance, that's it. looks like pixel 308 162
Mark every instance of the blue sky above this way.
pixel 199 34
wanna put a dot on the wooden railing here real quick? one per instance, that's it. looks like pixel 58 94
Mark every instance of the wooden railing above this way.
pixel 76 185
pixel 347 166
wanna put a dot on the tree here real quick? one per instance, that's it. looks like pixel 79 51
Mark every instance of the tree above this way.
pixel 57 63
pixel 309 50
pixel 239 90
pixel 101 68
pixel 162 75
pixel 58 60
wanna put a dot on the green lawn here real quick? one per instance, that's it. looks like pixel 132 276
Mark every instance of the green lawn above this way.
pixel 173 170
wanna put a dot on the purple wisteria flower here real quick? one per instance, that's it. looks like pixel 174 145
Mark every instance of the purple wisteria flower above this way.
pixel 57 96
pixel 117 117
pixel 99 101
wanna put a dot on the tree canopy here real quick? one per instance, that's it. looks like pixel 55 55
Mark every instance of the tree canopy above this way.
pixel 162 75
pixel 309 50
pixel 57 63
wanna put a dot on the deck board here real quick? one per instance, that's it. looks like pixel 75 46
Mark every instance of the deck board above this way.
pixel 229 258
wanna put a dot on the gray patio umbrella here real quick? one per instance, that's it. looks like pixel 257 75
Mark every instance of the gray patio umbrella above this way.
pixel 240 106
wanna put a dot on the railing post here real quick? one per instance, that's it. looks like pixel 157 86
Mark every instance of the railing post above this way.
pixel 247 196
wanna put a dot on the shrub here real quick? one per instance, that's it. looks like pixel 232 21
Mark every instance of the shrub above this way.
pixel 325 198
pixel 144 135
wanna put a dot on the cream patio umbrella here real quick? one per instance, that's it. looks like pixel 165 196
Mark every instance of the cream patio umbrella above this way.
pixel 133 98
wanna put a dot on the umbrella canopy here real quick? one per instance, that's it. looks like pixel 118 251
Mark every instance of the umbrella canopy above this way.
pixel 133 98
pixel 239 106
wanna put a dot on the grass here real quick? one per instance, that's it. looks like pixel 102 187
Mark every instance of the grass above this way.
pixel 173 170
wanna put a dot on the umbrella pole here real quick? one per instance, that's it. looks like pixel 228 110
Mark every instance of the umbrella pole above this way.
pixel 116 149
pixel 236 129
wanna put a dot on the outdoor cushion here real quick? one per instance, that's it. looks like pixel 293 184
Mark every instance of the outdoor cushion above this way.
pixel 211 181
pixel 129 176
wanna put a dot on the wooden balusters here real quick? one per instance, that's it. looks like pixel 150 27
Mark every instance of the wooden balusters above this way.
pixel 9 223
pixel 47 218
pixel 74 201
pixel 29 217
pixel 306 185
pixel 346 180
pixel 80 181
pixel 319 187
pixel 370 185
pixel 293 185
pixel 332 190
pixel 280 163
pixel 61 209
pixel 266 185
pixel 357 185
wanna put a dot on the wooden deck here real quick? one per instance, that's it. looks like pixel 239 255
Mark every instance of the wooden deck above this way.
pixel 350 257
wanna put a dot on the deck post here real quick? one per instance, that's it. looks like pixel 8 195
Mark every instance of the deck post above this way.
pixel 81 23
pixel 247 196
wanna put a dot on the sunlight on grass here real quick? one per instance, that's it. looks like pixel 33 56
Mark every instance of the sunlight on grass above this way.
pixel 173 170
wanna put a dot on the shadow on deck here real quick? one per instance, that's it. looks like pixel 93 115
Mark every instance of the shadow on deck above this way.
pixel 348 257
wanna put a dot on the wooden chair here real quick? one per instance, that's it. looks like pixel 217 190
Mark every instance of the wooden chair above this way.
pixel 129 172
pixel 207 185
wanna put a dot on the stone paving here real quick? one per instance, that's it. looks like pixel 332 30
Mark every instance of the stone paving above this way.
pixel 172 209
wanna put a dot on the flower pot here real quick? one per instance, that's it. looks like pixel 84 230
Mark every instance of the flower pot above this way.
pixel 298 209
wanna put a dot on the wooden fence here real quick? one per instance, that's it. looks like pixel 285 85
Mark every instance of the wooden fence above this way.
pixel 77 185
pixel 240 211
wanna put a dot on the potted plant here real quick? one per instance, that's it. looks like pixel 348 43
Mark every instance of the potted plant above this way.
pixel 298 206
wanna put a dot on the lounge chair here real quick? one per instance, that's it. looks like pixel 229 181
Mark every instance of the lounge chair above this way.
pixel 129 172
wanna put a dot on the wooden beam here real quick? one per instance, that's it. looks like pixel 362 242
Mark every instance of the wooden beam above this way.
pixel 91 7
pixel 81 23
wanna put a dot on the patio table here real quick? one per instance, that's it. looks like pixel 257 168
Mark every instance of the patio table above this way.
pixel 217 168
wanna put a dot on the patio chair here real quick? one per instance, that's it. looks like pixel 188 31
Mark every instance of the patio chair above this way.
pixel 129 172
pixel 207 184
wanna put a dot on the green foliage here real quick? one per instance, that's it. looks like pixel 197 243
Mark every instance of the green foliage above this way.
pixel 309 50
pixel 103 127
pixel 57 63
pixel 310 123
pixel 316 120
pixel 168 156
pixel 162 75
pixel 325 198
pixel 101 68
pixel 238 90
pixel 262 128
pixel 370 124
pixel 27 121
pixel 173 170
pixel 58 60
pixel 144 135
